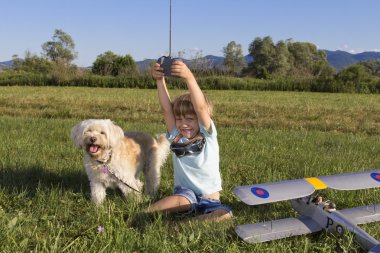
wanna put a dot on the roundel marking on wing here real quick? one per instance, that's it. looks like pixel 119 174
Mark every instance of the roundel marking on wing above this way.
pixel 375 176
pixel 260 192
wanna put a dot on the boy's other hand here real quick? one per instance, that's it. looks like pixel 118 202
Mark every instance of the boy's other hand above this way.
pixel 158 72
pixel 181 70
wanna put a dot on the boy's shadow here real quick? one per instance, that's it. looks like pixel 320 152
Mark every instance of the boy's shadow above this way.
pixel 34 177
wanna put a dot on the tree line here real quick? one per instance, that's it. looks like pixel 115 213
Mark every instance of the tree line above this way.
pixel 284 65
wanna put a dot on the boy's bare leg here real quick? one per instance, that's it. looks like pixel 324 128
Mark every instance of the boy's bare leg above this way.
pixel 217 215
pixel 170 204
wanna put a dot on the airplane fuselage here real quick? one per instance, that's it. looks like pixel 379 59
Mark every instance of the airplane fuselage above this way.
pixel 332 220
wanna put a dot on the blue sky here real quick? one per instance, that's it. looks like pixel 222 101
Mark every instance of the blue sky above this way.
pixel 140 27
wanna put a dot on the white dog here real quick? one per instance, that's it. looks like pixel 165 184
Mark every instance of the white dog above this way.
pixel 114 159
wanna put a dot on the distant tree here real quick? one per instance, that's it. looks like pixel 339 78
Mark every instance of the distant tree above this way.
pixel 198 62
pixel 32 63
pixel 355 78
pixel 233 57
pixel 263 52
pixel 60 48
pixel 303 57
pixel 126 66
pixel 104 64
pixel 321 65
pixel 286 58
pixel 372 66
pixel 281 60
pixel 115 65
pixel 181 53
pixel 306 59
pixel 17 61
pixel 200 65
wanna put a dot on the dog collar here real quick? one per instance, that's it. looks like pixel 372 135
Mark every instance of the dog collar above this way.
pixel 105 162
pixel 107 159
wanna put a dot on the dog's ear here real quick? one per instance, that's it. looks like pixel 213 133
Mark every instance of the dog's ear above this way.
pixel 115 134
pixel 77 134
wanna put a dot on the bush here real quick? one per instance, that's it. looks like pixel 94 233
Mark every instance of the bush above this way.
pixel 75 77
pixel 11 78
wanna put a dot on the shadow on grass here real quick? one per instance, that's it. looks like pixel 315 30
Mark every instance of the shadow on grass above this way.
pixel 31 178
pixel 34 178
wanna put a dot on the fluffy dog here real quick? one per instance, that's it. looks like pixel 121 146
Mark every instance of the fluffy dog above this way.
pixel 116 159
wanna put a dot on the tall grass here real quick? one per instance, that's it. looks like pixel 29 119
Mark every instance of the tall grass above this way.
pixel 66 77
pixel 263 137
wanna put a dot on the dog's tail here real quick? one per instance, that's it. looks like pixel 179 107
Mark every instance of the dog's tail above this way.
pixel 163 149
pixel 152 172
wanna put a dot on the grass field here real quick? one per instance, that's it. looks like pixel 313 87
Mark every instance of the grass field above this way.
pixel 263 137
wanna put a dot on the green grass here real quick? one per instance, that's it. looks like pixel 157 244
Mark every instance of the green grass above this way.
pixel 263 137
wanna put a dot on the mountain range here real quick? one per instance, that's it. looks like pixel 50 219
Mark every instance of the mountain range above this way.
pixel 6 64
pixel 341 59
pixel 338 59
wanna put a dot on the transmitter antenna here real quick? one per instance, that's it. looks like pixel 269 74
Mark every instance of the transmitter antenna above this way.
pixel 170 28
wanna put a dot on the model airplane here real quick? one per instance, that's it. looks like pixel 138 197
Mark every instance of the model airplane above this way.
pixel 315 214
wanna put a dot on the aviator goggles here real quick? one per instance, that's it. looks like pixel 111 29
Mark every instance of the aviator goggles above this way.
pixel 189 148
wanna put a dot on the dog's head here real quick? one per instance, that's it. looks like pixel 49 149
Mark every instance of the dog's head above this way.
pixel 96 136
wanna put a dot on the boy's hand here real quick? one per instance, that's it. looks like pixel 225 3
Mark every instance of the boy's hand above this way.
pixel 181 70
pixel 158 72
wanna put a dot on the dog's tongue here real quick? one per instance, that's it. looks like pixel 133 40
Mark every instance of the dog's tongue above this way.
pixel 93 148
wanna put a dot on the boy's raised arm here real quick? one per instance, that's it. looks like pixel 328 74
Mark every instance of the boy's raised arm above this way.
pixel 197 97
pixel 164 98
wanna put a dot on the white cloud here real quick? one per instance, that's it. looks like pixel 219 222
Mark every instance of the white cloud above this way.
pixel 347 48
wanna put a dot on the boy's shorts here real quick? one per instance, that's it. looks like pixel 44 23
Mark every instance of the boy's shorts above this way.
pixel 199 204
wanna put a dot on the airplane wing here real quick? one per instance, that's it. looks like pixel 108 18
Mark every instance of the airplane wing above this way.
pixel 353 181
pixel 362 214
pixel 292 189
pixel 278 229
pixel 273 192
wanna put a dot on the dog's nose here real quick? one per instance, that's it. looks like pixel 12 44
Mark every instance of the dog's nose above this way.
pixel 93 139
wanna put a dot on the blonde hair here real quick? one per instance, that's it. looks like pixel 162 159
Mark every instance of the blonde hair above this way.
pixel 182 105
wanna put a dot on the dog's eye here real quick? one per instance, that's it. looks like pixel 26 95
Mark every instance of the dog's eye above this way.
pixel 102 132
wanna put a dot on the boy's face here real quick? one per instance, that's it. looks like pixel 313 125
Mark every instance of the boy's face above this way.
pixel 187 125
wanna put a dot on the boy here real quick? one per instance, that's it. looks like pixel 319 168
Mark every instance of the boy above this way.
pixel 193 139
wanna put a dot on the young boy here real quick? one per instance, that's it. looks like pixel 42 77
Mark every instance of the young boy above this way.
pixel 193 139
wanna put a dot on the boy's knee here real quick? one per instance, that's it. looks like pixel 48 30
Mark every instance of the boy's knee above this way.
pixel 181 200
